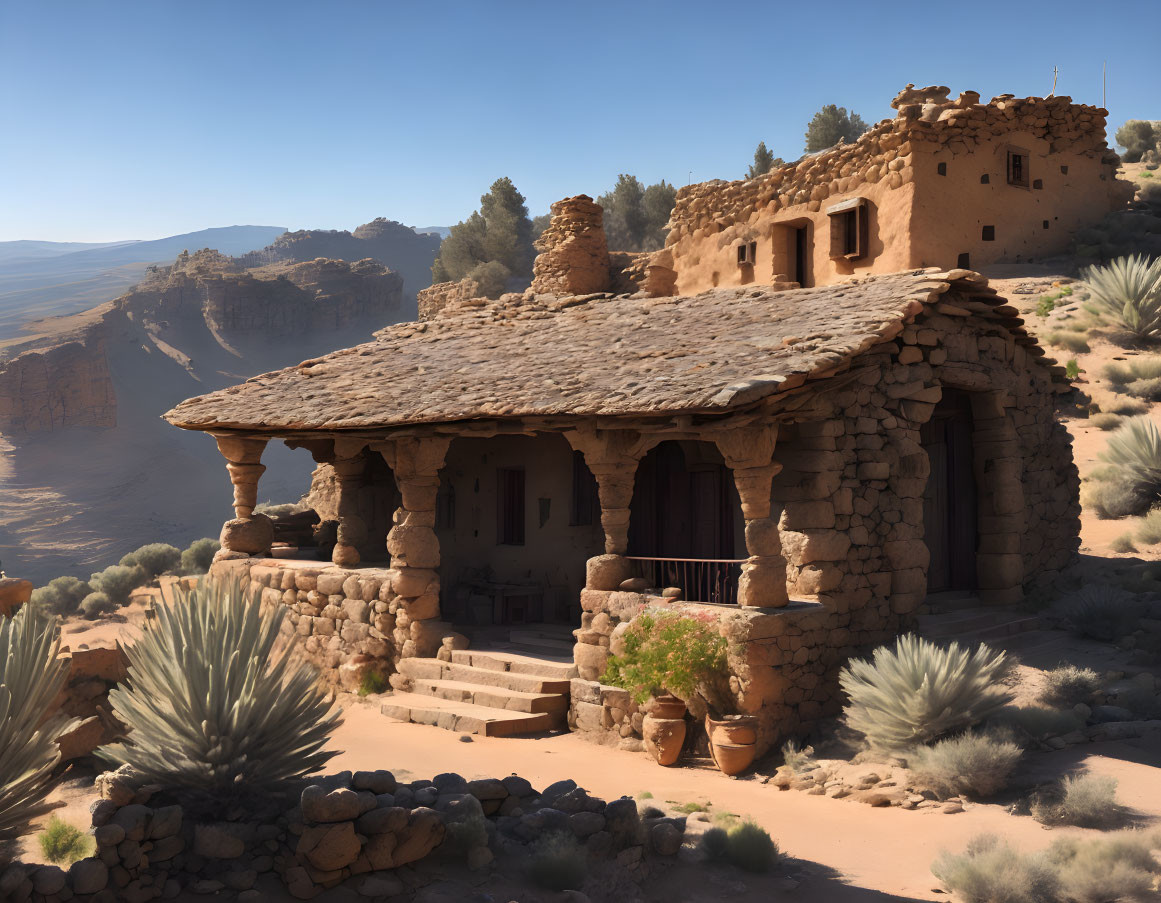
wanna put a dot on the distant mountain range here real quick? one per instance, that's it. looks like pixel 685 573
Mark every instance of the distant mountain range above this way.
pixel 43 278
pixel 442 231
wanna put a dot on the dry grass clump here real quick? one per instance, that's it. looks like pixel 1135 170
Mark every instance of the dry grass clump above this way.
pixel 1131 483
pixel 916 692
pixel 1105 421
pixel 1103 612
pixel 973 765
pixel 1149 530
pixel 1127 407
pixel 1086 801
pixel 1123 543
pixel 1035 722
pixel 1068 685
pixel 1076 342
pixel 794 757
pixel 1113 499
pixel 1123 373
pixel 751 848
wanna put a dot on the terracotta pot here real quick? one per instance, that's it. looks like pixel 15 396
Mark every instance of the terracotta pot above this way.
pixel 666 706
pixel 732 729
pixel 663 738
pixel 733 758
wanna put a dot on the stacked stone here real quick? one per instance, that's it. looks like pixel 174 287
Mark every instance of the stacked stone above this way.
pixel 434 299
pixel 361 828
pixel 650 273
pixel 574 253
pixel 85 696
pixel 882 154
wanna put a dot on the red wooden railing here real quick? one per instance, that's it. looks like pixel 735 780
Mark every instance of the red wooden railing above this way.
pixel 700 579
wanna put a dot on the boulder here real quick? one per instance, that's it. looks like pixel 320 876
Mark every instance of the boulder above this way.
pixel 329 847
pixel 14 592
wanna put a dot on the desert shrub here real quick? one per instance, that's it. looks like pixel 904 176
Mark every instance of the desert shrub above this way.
pixel 1145 389
pixel 1123 543
pixel 1045 305
pixel 916 691
pixel 644 795
pixel 1149 529
pixel 1113 498
pixel 1127 407
pixel 1068 685
pixel 1133 454
pixel 1087 801
pixel 990 870
pixel 492 278
pixel 117 581
pixel 1035 722
pixel 1103 612
pixel 1128 291
pixel 751 848
pixel 155 559
pixel 685 655
pixel 1117 868
pixel 199 555
pixel 209 705
pixel 1072 369
pixel 974 765
pixel 715 845
pixel 652 812
pixel 1105 421
pixel 61 595
pixel 1122 373
pixel 31 676
pixel 1076 342
pixel 97 604
pixel 557 862
pixel 63 843
pixel 276 510
pixel 795 757
pixel 372 684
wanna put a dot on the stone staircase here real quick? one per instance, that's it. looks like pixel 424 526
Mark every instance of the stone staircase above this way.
pixel 494 693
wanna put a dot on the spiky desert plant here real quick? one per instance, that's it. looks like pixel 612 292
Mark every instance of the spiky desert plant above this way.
pixel 31 676
pixel 1128 290
pixel 211 706
pixel 917 691
pixel 1134 456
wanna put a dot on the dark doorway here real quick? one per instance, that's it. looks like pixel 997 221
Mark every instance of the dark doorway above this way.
pixel 949 502
pixel 801 243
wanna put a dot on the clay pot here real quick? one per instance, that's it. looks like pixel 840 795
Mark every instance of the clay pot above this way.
pixel 666 706
pixel 731 741
pixel 664 738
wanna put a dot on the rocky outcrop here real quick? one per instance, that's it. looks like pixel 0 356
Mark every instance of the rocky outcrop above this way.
pixel 574 253
pixel 64 385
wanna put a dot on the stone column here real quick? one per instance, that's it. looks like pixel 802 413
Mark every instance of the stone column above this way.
pixel 749 453
pixel 612 456
pixel 413 545
pixel 248 533
pixel 352 529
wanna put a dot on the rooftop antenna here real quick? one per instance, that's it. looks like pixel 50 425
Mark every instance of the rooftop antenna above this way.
pixel 1055 74
pixel 689 179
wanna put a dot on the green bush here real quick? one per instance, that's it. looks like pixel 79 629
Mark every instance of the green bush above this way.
pixel 1072 369
pixel 917 692
pixel 198 557
pixel 372 684
pixel 1087 801
pixel 95 605
pixel 1068 685
pixel 31 677
pixel 117 581
pixel 992 871
pixel 1123 543
pixel 61 595
pixel 1128 292
pixel 715 845
pixel 208 704
pixel 62 843
pixel 557 862
pixel 1103 612
pixel 667 651
pixel 1045 306
pixel 155 559
pixel 751 848
pixel 492 278
pixel 972 765
pixel 1149 530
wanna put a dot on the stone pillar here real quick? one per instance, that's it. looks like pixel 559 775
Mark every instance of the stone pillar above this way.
pixel 352 529
pixel 749 453
pixel 413 546
pixel 248 533
pixel 612 456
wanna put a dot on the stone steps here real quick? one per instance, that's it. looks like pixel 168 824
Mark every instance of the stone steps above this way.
pixel 433 669
pixel 466 717
pixel 490 697
pixel 561 667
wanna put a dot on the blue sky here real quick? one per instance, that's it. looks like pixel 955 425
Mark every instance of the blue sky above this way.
pixel 144 119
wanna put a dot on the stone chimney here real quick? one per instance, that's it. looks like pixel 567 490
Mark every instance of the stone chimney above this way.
pixel 574 255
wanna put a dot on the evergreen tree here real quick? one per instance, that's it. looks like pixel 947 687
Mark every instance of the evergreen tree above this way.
pixel 832 124
pixel 764 161
pixel 499 234
pixel 658 203
pixel 635 215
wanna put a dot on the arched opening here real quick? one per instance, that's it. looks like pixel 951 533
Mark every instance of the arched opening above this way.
pixel 686 526
pixel 951 498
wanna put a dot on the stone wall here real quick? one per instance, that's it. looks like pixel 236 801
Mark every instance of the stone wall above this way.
pixel 357 830
pixel 649 272
pixel 434 299
pixel 574 253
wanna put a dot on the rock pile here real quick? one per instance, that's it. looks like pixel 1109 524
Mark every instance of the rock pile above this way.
pixel 364 828
pixel 434 299
pixel 92 673
pixel 574 254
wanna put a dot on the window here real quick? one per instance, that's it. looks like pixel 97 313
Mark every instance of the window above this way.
pixel 747 253
pixel 1064 170
pixel 989 233
pixel 1037 184
pixel 1046 224
pixel 510 506
pixel 584 493
pixel 941 169
pixel 964 262
pixel 985 179
pixel 848 229
pixel 1018 167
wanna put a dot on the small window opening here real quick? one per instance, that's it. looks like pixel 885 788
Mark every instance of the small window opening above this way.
pixel 747 253
pixel 1018 168
pixel 848 229
pixel 941 169
pixel 510 506
pixel 989 233
pixel 964 261
pixel 1046 224
pixel 583 504
pixel 985 179
pixel 1038 184
pixel 1064 170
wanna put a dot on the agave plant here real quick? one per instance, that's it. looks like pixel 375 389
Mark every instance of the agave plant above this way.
pixel 211 706
pixel 1134 451
pixel 1129 291
pixel 31 676
pixel 917 691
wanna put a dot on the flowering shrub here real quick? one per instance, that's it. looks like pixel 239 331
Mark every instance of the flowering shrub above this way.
pixel 683 654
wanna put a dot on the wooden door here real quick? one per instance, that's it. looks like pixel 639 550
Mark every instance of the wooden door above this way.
pixel 949 502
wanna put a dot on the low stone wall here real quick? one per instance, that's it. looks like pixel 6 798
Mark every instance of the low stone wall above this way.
pixel 357 829
pixel 435 298
pixel 85 696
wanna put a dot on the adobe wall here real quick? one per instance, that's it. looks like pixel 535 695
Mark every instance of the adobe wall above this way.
pixel 850 503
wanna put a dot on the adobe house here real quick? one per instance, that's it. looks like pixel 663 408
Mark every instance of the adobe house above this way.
pixel 808 465
pixel 945 183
